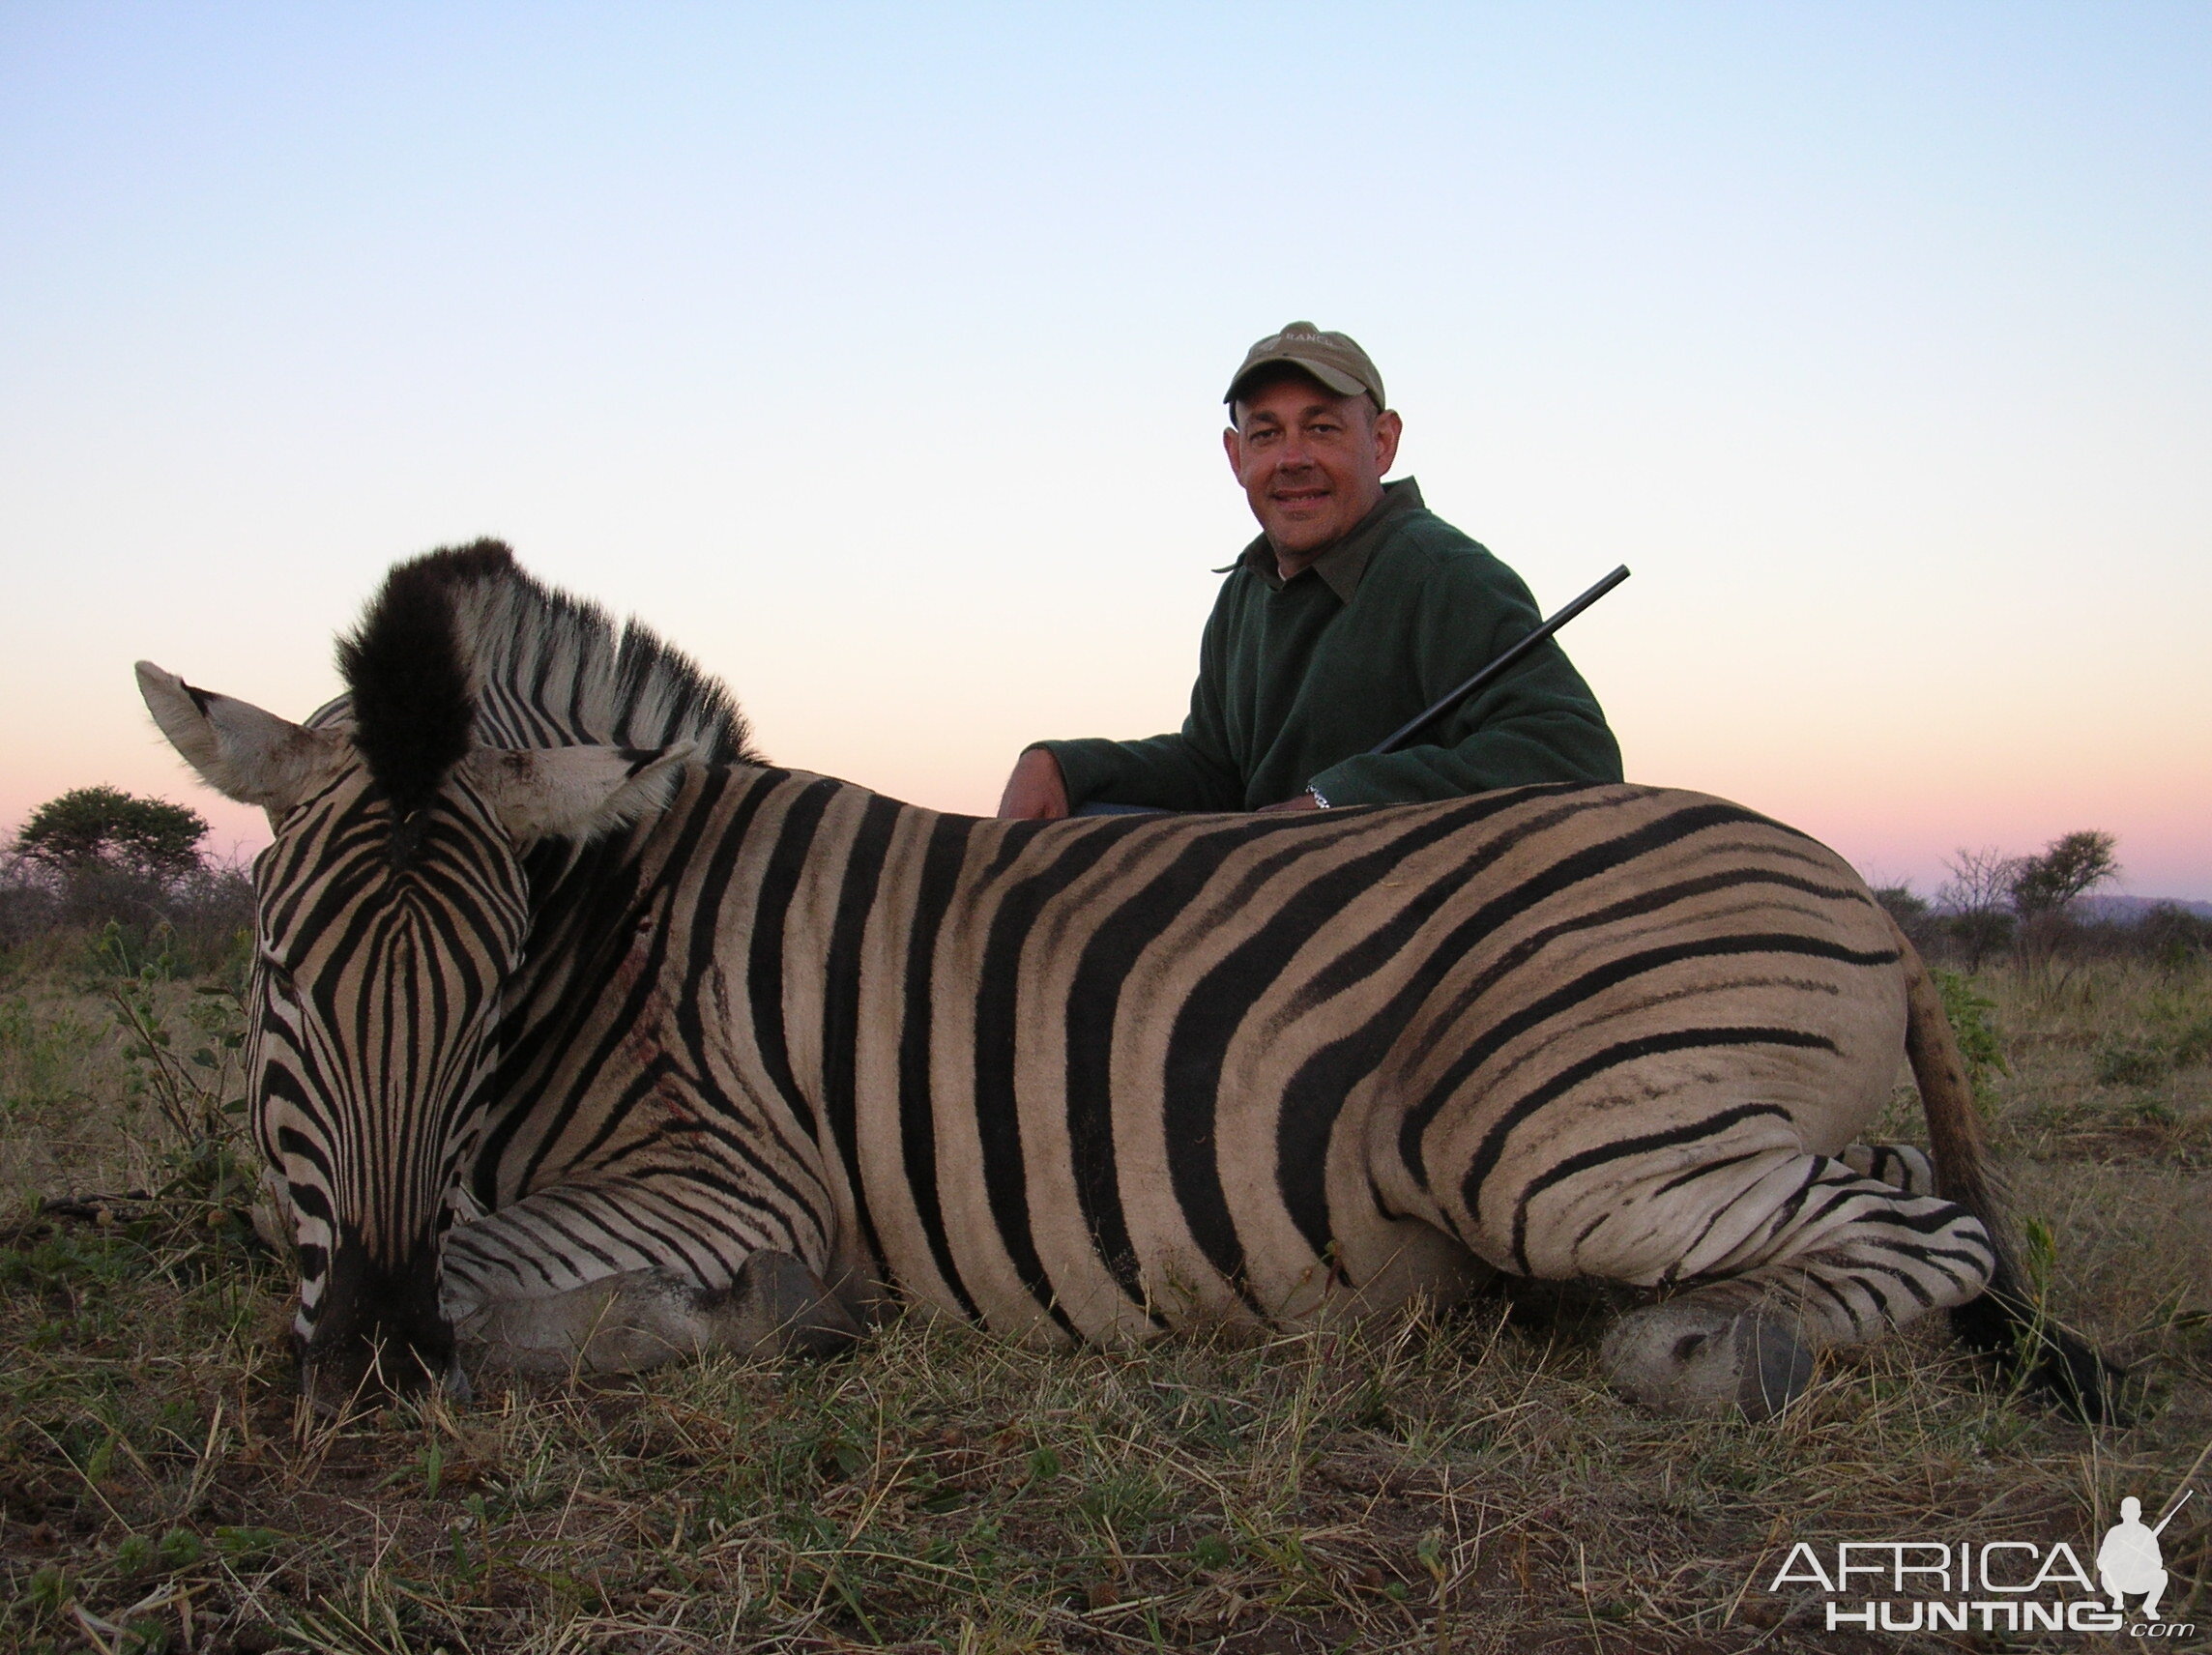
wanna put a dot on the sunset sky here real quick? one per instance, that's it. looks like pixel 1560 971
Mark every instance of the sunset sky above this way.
pixel 874 356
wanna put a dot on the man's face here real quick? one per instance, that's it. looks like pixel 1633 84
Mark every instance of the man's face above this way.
pixel 1311 462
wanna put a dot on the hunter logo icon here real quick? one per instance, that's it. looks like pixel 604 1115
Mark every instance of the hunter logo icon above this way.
pixel 2130 1560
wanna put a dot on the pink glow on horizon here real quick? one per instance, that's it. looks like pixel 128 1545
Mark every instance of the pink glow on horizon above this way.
pixel 2159 825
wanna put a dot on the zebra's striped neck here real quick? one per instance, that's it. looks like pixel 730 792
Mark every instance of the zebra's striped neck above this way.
pixel 727 928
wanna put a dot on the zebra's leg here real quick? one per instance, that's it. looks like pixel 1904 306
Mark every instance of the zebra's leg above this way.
pixel 1794 1255
pixel 640 1319
pixel 612 1278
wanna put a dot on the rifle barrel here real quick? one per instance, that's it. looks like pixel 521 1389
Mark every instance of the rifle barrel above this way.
pixel 1397 738
pixel 2175 1513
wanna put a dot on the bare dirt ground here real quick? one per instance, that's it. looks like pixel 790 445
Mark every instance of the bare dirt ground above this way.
pixel 1459 1485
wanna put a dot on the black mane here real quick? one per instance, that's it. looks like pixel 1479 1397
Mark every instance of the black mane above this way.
pixel 460 649
pixel 412 700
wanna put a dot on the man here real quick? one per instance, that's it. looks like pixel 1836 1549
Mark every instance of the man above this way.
pixel 1355 609
pixel 2130 1559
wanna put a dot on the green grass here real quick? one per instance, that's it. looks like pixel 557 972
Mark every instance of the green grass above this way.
pixel 1464 1483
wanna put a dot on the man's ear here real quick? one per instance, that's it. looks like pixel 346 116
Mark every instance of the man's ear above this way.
pixel 572 792
pixel 1233 445
pixel 239 751
pixel 1388 428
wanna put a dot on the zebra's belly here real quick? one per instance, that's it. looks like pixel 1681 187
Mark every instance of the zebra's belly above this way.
pixel 1247 1204
pixel 1169 1281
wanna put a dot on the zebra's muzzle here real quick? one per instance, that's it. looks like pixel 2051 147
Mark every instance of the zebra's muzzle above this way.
pixel 378 1333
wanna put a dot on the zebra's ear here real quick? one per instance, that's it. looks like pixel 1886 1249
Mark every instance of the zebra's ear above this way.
pixel 239 751
pixel 572 792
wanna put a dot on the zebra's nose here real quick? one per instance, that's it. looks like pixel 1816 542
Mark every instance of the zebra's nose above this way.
pixel 378 1333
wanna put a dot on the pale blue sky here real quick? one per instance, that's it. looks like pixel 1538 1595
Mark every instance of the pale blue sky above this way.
pixel 874 355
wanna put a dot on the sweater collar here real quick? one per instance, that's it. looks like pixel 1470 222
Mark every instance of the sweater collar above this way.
pixel 1343 563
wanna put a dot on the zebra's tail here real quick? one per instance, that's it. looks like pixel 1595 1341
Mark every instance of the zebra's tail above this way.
pixel 2003 1323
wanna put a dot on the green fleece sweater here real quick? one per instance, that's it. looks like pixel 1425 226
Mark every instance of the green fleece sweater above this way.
pixel 1297 679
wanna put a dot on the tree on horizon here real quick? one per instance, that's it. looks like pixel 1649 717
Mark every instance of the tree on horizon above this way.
pixel 103 828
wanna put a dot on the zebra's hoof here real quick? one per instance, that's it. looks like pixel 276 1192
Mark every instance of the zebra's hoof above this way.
pixel 1691 1359
pixel 777 1305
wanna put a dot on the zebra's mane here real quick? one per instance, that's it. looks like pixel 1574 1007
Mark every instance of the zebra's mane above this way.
pixel 460 648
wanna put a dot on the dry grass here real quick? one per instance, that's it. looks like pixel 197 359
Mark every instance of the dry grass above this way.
pixel 1462 1485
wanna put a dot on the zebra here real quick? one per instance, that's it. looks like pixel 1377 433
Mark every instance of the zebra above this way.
pixel 582 1037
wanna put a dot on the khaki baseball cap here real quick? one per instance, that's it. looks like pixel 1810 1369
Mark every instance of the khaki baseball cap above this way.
pixel 1334 358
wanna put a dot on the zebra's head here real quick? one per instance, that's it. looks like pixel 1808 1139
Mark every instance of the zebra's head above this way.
pixel 389 911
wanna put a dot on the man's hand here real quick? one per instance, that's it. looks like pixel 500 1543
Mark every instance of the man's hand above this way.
pixel 1303 801
pixel 1036 791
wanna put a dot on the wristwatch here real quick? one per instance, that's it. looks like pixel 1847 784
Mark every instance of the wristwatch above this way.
pixel 1320 802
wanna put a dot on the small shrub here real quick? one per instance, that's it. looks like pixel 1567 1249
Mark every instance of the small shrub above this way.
pixel 2193 1042
pixel 1980 1047
pixel 2176 940
pixel 181 1549
pixel 40 1057
pixel 49 1590
pixel 1212 1551
pixel 1913 914
pixel 2121 1061
pixel 187 1062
